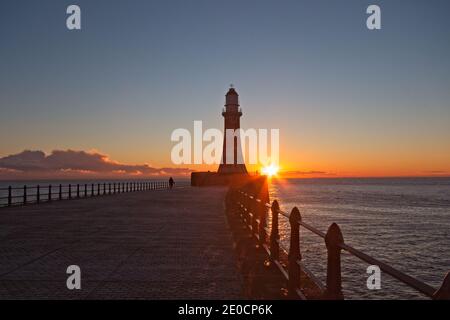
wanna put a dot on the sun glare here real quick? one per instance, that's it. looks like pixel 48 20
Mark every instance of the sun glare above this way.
pixel 270 171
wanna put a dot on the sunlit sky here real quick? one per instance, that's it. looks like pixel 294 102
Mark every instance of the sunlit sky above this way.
pixel 348 101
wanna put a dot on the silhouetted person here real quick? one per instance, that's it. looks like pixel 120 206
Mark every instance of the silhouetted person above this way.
pixel 171 183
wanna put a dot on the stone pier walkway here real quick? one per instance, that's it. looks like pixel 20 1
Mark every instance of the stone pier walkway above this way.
pixel 144 245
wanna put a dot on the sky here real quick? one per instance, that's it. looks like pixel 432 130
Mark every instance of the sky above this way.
pixel 348 101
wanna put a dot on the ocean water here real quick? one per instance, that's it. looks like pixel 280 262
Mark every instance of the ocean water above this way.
pixel 404 222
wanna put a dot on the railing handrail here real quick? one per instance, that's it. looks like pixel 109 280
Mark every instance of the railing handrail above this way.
pixel 410 281
pixel 41 193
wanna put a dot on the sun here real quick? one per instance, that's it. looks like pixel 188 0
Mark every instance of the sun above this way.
pixel 270 170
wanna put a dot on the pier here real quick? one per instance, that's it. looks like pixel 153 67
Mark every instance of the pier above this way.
pixel 148 244
pixel 147 241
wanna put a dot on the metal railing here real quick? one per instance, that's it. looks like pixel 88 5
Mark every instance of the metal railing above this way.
pixel 19 196
pixel 253 213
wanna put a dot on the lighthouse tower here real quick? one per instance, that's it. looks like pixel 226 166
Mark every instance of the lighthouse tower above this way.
pixel 232 115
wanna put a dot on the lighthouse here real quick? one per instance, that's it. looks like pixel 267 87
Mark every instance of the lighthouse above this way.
pixel 232 114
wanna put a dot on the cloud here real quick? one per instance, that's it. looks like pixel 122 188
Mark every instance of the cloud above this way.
pixel 71 163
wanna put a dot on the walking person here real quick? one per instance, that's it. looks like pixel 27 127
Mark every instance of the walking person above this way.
pixel 171 183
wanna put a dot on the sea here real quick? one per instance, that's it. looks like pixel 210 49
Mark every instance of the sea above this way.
pixel 404 222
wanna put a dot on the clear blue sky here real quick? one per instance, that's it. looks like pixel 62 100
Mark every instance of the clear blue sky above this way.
pixel 139 69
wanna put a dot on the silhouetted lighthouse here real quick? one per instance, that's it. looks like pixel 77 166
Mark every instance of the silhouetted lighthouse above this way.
pixel 232 115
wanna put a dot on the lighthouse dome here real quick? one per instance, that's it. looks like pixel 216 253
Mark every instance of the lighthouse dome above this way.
pixel 232 98
pixel 232 92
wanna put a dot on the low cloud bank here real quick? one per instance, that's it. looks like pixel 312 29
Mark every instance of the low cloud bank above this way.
pixel 70 163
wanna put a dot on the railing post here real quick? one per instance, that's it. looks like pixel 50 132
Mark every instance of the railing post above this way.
pixel 104 188
pixel 294 252
pixel 333 240
pixel 98 189
pixel 25 194
pixel 274 233
pixel 9 196
pixel 255 214
pixel 70 191
pixel 85 190
pixel 247 212
pixel 262 223
pixel 38 194
pixel 240 198
pixel 78 190
pixel 443 293
pixel 109 188
pixel 49 192
pixel 243 210
pixel 60 192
